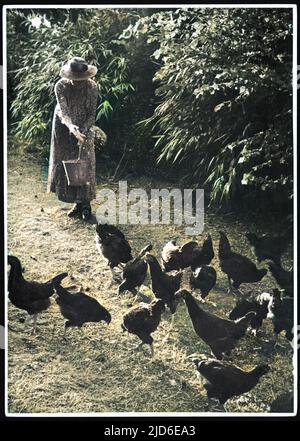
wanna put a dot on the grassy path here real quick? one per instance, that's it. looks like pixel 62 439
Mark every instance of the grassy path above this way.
pixel 97 370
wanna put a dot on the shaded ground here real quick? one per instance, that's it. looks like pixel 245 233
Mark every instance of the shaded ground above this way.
pixel 98 370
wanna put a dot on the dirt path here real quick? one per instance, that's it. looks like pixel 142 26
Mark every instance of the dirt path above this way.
pixel 97 370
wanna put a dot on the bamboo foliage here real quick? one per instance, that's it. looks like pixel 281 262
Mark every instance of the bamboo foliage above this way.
pixel 224 86
pixel 36 61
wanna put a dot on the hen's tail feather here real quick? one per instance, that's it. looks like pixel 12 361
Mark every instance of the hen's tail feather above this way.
pixel 244 321
pixel 145 250
pixel 57 279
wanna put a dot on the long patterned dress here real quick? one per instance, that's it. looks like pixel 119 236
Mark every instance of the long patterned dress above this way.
pixel 76 104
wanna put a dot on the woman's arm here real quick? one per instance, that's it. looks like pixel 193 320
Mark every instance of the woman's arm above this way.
pixel 92 106
pixel 64 111
pixel 59 90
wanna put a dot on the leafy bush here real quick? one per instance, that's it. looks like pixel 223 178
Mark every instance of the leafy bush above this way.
pixel 35 64
pixel 225 87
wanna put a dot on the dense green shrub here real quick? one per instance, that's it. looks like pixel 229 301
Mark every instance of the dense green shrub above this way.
pixel 35 63
pixel 225 89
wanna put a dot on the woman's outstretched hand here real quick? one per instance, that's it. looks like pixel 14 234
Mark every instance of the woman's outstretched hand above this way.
pixel 78 135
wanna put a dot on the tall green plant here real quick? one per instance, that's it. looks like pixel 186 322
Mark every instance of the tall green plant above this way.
pixel 225 90
pixel 36 53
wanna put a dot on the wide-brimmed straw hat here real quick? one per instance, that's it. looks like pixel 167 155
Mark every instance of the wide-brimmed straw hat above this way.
pixel 77 69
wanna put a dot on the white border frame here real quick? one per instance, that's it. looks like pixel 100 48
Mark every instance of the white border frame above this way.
pixel 295 358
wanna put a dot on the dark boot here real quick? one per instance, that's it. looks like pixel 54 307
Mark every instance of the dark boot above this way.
pixel 76 210
pixel 86 211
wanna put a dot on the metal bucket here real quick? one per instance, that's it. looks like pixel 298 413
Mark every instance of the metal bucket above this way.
pixel 77 172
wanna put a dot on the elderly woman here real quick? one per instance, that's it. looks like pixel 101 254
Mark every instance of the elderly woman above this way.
pixel 74 117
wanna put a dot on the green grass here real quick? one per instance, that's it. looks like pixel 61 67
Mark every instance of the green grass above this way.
pixel 98 370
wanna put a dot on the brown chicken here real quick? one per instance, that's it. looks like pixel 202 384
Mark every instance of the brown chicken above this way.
pixel 221 335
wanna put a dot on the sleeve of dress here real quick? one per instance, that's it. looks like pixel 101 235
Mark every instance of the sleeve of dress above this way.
pixel 91 108
pixel 61 99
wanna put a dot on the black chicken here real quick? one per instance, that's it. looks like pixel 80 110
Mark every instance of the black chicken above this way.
pixel 281 311
pixel 143 319
pixel 268 248
pixel 33 297
pixel 284 403
pixel 164 285
pixel 204 255
pixel 79 308
pixel 203 278
pixel 220 334
pixel 134 273
pixel 238 268
pixel 224 381
pixel 194 256
pixel 258 304
pixel 284 279
pixel 175 258
pixel 189 254
pixel 113 246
